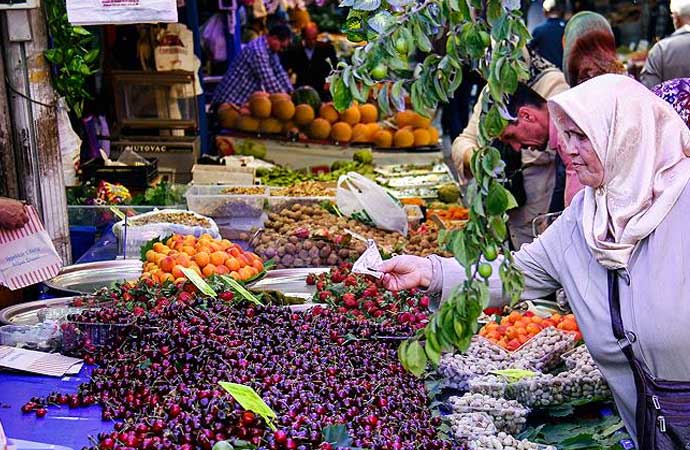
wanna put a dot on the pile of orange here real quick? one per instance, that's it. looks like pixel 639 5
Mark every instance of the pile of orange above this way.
pixel 516 328
pixel 204 255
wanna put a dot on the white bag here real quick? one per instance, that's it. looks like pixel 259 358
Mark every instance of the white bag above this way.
pixel 103 12
pixel 27 255
pixel 357 196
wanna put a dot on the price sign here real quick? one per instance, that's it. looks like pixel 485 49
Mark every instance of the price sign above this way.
pixel 250 400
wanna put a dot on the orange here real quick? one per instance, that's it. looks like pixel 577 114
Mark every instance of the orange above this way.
pixel 258 265
pixel 150 255
pixel 225 244
pixel 188 249
pixel 183 260
pixel 245 273
pixel 234 275
pixel 167 264
pixel 209 270
pixel 218 258
pixel 206 236
pixel 202 259
pixel 166 277
pixel 222 270
pixel 216 247
pixel 177 272
pixel 158 246
pixel 232 263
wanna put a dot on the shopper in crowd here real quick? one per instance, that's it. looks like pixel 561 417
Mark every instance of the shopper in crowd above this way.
pixel 311 61
pixel 547 38
pixel 537 167
pixel 589 48
pixel 670 57
pixel 677 93
pixel 632 151
pixel 12 214
pixel 257 68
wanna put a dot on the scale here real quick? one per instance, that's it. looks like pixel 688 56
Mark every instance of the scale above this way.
pixel 157 116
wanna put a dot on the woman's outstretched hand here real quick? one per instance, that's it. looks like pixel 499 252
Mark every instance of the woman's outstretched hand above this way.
pixel 406 272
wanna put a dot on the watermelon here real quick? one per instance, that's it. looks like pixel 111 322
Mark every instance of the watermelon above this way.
pixel 308 95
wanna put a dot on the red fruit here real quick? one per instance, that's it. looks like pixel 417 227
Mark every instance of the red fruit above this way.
pixel 326 446
pixel 280 436
pixel 226 296
pixel 372 420
pixel 302 233
pixel 138 311
pixel 350 301
pixel 107 444
pixel 290 444
pixel 28 407
pixel 320 286
pixel 174 411
pixel 248 418
pixel 404 317
pixel 185 296
pixel 41 412
pixel 311 279
pixel 424 302
pixel 351 281
pixel 324 295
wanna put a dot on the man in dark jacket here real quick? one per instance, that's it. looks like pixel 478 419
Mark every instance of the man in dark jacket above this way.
pixel 309 61
pixel 547 38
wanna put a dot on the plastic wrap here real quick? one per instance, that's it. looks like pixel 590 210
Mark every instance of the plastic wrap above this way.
pixel 543 352
pixel 491 385
pixel 471 426
pixel 508 415
pixel 213 202
pixel 43 337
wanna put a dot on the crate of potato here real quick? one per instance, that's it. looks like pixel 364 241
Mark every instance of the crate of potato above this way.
pixel 206 256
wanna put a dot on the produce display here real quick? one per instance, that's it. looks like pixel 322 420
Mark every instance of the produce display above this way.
pixel 471 426
pixel 163 381
pixel 517 328
pixel 205 256
pixel 504 441
pixel 281 176
pixel 306 189
pixel 310 236
pixel 358 295
pixel 508 416
pixel 244 190
pixel 177 217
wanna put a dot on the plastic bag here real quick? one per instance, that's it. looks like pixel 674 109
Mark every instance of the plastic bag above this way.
pixel 361 198
pixel 70 145
pixel 213 38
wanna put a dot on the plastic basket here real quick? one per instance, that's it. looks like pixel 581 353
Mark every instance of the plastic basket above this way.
pixel 211 201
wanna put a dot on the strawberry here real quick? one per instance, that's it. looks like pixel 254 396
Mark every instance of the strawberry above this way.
pixel 350 301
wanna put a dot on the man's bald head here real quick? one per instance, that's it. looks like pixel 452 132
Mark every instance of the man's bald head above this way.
pixel 310 33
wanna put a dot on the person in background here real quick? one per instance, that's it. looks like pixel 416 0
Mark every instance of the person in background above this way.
pixel 256 68
pixel 547 38
pixel 631 219
pixel 670 57
pixel 536 172
pixel 589 48
pixel 311 61
pixel 12 214
pixel 677 94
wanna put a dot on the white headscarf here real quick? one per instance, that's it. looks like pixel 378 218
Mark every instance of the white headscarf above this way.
pixel 644 147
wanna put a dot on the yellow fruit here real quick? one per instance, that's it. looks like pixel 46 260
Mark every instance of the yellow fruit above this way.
pixel 341 132
pixel 404 118
pixel 421 122
pixel 271 126
pixel 372 129
pixel 433 135
pixel 227 115
pixel 304 115
pixel 360 133
pixel 422 137
pixel 258 94
pixel 351 115
pixel 260 107
pixel 319 129
pixel 329 113
pixel 248 123
pixel 403 138
pixel 368 113
pixel 383 139
pixel 283 109
pixel 279 97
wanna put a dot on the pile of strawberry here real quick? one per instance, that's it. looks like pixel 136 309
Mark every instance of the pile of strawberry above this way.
pixel 361 296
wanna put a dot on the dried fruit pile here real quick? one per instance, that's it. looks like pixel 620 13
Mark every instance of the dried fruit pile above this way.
pixel 163 380
pixel 205 256
pixel 361 296
pixel 517 328
pixel 310 236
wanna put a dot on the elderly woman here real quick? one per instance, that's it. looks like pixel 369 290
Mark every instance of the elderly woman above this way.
pixel 631 151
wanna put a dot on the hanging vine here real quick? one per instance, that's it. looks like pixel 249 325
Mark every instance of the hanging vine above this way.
pixel 488 35
pixel 75 55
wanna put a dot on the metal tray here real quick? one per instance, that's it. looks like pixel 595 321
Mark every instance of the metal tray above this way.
pixel 27 313
pixel 86 278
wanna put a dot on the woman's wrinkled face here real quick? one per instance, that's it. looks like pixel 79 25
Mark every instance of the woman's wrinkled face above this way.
pixel 586 163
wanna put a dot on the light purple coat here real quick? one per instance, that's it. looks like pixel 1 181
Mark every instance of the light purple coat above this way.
pixel 655 304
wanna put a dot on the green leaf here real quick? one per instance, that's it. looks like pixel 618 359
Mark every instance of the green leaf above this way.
pixel 337 435
pixel 494 11
pixel 342 97
pixel 397 96
pixel 494 123
pixel 416 358
pixel 439 88
pixel 432 352
pixel 355 28
pixel 509 78
pixel 497 199
pixel 402 354
pixel 240 290
pixel 422 40
pixel 81 31
pixel 366 5
pixel 383 102
pixel 381 21
pixel 92 55
pixel 498 227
